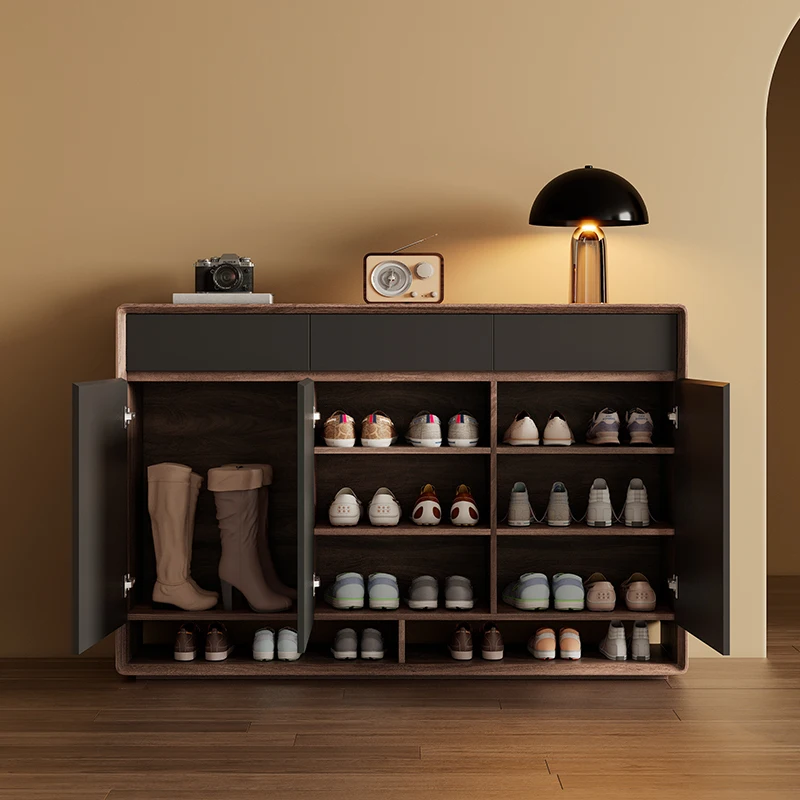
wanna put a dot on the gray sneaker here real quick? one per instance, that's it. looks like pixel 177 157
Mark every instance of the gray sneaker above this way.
pixel 345 645
pixel 557 514
pixel 520 512
pixel 425 430
pixel 604 428
pixel 458 593
pixel 371 644
pixel 640 426
pixel 423 593
pixel 462 430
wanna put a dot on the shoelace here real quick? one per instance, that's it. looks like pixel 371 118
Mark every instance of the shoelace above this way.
pixel 619 517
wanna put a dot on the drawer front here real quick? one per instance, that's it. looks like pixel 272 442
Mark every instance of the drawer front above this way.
pixel 586 342
pixel 217 342
pixel 401 343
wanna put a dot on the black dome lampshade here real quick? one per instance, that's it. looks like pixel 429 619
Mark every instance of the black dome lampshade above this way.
pixel 589 199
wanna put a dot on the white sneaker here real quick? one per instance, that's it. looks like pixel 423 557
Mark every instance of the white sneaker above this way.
pixel 371 644
pixel 425 430
pixel 520 512
pixel 458 595
pixel 614 646
pixel 557 431
pixel 384 593
pixel 637 511
pixel 522 431
pixel 557 514
pixel 640 642
pixel 345 508
pixel 599 513
pixel 264 645
pixel 345 645
pixel 604 428
pixel 384 510
pixel 287 645
pixel 462 430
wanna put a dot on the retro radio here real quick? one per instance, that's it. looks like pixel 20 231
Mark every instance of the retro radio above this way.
pixel 404 277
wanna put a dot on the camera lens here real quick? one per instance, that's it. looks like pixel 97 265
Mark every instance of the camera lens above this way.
pixel 227 278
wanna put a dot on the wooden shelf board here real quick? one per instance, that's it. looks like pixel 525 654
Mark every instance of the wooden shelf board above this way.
pixel 581 529
pixel 402 529
pixel 585 450
pixel 404 613
pixel 144 613
pixel 506 612
pixel 402 450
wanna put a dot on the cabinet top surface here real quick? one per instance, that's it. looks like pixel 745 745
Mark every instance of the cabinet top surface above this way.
pixel 361 308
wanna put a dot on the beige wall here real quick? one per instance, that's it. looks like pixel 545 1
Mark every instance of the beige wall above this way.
pixel 783 322
pixel 136 137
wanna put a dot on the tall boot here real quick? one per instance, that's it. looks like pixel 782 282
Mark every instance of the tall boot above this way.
pixel 236 496
pixel 168 496
pixel 195 482
pixel 264 555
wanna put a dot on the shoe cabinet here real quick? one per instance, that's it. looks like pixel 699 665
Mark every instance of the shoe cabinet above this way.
pixel 206 386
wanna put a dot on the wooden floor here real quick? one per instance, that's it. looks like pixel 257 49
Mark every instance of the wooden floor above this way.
pixel 727 729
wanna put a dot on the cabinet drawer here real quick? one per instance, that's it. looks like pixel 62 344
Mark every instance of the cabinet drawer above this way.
pixel 586 342
pixel 401 343
pixel 216 342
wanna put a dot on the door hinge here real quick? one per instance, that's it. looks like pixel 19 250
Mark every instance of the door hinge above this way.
pixel 673 416
pixel 315 584
pixel 316 416
pixel 127 584
pixel 127 417
pixel 673 584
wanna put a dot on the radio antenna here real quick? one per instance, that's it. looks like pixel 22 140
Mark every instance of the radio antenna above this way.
pixel 419 241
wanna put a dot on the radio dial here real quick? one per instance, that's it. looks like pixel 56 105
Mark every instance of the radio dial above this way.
pixel 424 270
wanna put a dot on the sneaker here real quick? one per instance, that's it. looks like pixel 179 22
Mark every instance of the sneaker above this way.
pixel 522 431
pixel 384 509
pixel 345 508
pixel 520 512
pixel 346 592
pixel 345 645
pixel 604 428
pixel 186 642
pixel 639 594
pixel 384 593
pixel 377 430
pixel 569 644
pixel 558 514
pixel 340 430
pixel 458 593
pixel 542 644
pixel 568 594
pixel 557 431
pixel 492 644
pixel 371 644
pixel 640 641
pixel 599 513
pixel 287 645
pixel 423 594
pixel 462 430
pixel 614 646
pixel 464 511
pixel 425 430
pixel 636 512
pixel 600 594
pixel 217 646
pixel 427 509
pixel 264 645
pixel 530 593
pixel 461 643
pixel 640 426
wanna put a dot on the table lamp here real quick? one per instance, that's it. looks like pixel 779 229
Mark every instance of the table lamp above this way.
pixel 590 199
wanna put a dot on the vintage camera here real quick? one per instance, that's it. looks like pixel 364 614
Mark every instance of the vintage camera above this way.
pixel 228 273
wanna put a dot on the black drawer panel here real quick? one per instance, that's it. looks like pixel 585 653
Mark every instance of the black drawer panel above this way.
pixel 401 342
pixel 217 342
pixel 586 342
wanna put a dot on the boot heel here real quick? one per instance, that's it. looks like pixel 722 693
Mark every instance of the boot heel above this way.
pixel 227 596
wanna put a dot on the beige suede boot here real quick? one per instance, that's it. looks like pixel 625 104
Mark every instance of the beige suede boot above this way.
pixel 195 482
pixel 236 493
pixel 168 496
pixel 264 555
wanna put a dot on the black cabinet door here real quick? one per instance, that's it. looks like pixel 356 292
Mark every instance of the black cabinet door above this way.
pixel 100 509
pixel 586 342
pixel 702 513
pixel 216 342
pixel 305 511
pixel 401 342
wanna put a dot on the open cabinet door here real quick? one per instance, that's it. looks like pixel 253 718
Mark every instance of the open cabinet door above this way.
pixel 702 513
pixel 100 509
pixel 305 511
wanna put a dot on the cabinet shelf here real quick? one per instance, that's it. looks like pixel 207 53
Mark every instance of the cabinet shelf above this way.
pixel 402 613
pixel 402 450
pixel 585 450
pixel 581 529
pixel 662 613
pixel 402 529
pixel 145 613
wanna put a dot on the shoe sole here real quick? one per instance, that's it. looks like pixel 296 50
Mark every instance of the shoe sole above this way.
pixel 221 656
pixel 641 658
pixel 384 605
pixel 458 605
pixel 340 442
pixel 641 438
pixel 542 655
pixel 345 604
pixel 185 656
pixel 522 442
pixel 568 605
pixel 600 606
pixel 599 523
pixel 344 655
pixel 558 524
pixel 344 522
pixel 425 442
pixel 263 656
pixel 372 655
pixel 292 657
pixel 528 605
pixel 641 606
pixel 377 442
pixel 557 442
pixel 423 605
pixel 462 442
pixel 460 655
pixel 574 655
pixel 603 438
pixel 637 524
pixel 519 524
pixel 492 655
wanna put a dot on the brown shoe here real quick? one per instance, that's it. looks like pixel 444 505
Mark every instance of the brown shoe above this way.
pixel 464 510
pixel 217 646
pixel 377 430
pixel 340 430
pixel 195 482
pixel 492 647
pixel 461 643
pixel 427 509
pixel 186 642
